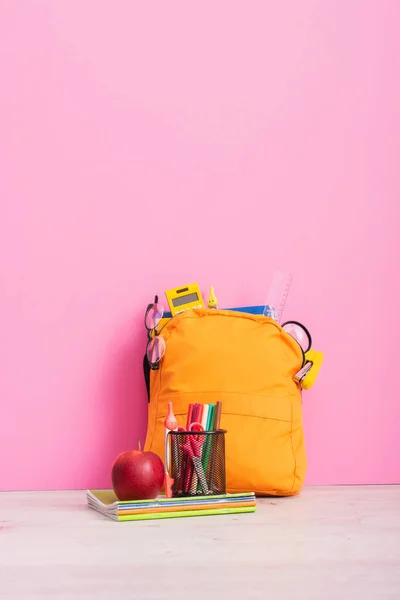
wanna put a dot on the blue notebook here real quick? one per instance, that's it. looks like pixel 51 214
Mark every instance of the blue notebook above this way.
pixel 253 310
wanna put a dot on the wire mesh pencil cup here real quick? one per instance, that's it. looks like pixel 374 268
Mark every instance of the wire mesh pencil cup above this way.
pixel 198 463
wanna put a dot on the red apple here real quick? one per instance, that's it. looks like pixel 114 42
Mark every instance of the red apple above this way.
pixel 137 475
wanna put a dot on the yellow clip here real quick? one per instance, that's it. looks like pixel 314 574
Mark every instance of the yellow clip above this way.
pixel 316 359
pixel 212 301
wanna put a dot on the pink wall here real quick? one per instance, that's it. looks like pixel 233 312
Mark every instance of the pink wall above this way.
pixel 272 127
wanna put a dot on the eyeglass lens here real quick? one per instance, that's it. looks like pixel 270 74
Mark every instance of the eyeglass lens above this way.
pixel 155 349
pixel 299 334
pixel 154 316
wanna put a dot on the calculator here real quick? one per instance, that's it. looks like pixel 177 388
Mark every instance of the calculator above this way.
pixel 184 298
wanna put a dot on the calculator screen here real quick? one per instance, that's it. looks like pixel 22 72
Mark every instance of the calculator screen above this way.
pixel 185 299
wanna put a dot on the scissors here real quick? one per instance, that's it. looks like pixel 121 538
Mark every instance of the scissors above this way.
pixel 193 446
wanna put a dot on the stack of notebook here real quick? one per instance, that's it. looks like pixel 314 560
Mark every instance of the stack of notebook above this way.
pixel 106 503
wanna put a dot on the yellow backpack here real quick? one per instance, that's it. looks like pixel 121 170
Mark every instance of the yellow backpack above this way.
pixel 247 362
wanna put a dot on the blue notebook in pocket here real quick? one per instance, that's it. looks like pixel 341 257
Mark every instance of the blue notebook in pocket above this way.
pixel 253 310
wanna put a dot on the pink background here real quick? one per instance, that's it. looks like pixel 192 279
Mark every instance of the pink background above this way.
pixel 145 145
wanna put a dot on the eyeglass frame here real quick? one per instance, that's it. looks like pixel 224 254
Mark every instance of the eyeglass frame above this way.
pixel 153 366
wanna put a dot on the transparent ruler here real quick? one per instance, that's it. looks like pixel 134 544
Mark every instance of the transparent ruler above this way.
pixel 277 295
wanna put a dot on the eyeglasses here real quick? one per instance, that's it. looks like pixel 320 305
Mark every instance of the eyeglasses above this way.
pixel 155 344
pixel 299 333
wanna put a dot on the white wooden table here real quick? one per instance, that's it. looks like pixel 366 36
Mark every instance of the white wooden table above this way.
pixel 330 542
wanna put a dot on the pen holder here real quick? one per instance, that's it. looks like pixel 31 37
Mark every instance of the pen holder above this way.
pixel 198 463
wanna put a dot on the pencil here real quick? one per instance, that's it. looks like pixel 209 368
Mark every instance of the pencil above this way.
pixel 218 411
pixel 213 456
pixel 209 441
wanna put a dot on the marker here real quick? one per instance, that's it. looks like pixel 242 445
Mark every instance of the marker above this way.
pixel 209 440
pixel 204 419
pixel 189 416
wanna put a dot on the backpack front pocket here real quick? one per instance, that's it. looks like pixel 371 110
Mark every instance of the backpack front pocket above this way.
pixel 260 441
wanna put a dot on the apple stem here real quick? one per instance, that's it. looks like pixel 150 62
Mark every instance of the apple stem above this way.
pixel 139 445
